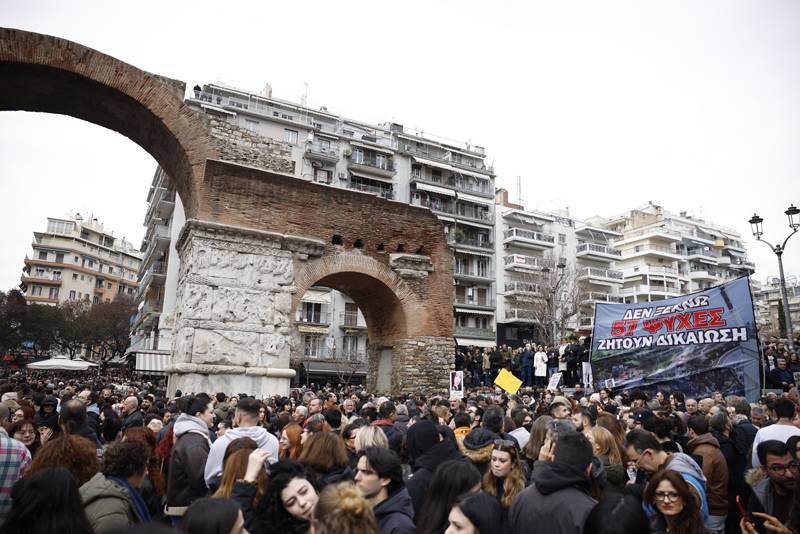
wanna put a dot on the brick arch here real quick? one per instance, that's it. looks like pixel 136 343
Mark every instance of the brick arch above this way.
pixel 42 73
pixel 384 299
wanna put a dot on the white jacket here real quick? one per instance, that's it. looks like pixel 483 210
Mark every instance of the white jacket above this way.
pixel 540 364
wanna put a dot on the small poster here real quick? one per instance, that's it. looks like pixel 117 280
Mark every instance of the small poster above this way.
pixel 554 380
pixel 506 380
pixel 456 384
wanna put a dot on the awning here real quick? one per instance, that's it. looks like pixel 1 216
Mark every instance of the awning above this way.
pixel 479 225
pixel 371 177
pixel 306 329
pixel 436 189
pixel 314 295
pixel 381 149
pixel 218 110
pixel 462 342
pixel 474 312
pixel 431 163
pixel 474 253
pixel 63 363
pixel 152 361
pixel 473 198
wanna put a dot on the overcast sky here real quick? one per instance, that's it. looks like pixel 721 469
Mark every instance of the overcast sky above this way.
pixel 599 106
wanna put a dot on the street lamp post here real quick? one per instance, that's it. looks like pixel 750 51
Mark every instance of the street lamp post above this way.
pixel 756 224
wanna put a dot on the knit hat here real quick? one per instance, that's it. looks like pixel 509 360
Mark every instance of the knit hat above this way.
pixel 560 400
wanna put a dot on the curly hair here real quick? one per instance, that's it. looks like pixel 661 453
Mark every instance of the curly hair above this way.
pixel 146 437
pixel 342 509
pixel 271 510
pixel 125 459
pixel 76 454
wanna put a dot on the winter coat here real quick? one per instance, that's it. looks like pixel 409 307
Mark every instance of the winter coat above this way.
pixel 48 420
pixel 540 364
pixel 424 466
pixel 477 447
pixel 187 464
pixel 134 420
pixel 264 440
pixel 93 418
pixel 393 435
pixel 108 505
pixel 221 411
pixel 761 496
pixel 715 470
pixel 556 487
pixel 526 359
pixel 395 515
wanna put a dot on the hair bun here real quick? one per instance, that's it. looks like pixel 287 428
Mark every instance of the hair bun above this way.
pixel 351 502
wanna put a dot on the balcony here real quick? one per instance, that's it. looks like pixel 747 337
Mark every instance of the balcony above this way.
pixel 314 318
pixel 520 315
pixel 745 265
pixel 702 274
pixel 651 270
pixel 652 289
pixel 475 188
pixel 473 302
pixel 474 333
pixel 699 253
pixel 470 242
pixel 520 262
pixel 435 205
pixel 528 239
pixel 155 275
pixel 350 320
pixel 594 296
pixel 161 205
pixel 586 322
pixel 601 275
pixel 596 251
pixel 382 192
pixel 321 152
pixel 45 279
pixel 380 166
pixel 645 233
pixel 473 272
pixel 525 289
pixel 473 214
pixel 654 250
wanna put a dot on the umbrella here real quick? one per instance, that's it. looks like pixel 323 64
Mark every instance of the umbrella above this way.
pixel 62 363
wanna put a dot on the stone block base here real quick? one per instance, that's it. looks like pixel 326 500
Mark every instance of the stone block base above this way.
pixel 418 365
pixel 260 386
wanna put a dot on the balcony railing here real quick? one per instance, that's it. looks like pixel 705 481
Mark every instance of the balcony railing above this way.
pixel 463 300
pixel 434 205
pixel 382 192
pixel 381 164
pixel 350 320
pixel 600 297
pixel 600 273
pixel 588 248
pixel 523 287
pixel 519 233
pixel 586 322
pixel 470 242
pixel 325 151
pixel 655 248
pixel 474 272
pixel 479 333
pixel 532 262
pixel 699 252
pixel 484 216
pixel 315 318
pixel 520 314
pixel 477 188
pixel 647 231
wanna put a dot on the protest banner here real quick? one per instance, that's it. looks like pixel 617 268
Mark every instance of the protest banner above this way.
pixel 456 385
pixel 506 380
pixel 697 343
pixel 554 380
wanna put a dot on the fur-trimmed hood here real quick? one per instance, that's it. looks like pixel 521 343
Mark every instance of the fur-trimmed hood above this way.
pixel 754 476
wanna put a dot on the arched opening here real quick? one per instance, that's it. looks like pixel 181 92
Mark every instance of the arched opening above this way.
pixel 345 327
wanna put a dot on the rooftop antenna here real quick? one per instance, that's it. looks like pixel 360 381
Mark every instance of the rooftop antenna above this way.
pixel 519 191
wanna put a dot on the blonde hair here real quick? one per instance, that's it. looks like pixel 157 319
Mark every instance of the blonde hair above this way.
pixel 605 445
pixel 370 436
pixel 342 509
pixel 514 482
pixel 235 469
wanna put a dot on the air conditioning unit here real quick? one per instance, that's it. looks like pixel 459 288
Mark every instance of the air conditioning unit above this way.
pixel 342 176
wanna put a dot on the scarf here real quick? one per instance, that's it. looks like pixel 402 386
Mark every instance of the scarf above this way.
pixel 138 503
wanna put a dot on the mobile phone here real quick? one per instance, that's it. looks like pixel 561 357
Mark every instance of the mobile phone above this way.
pixel 742 509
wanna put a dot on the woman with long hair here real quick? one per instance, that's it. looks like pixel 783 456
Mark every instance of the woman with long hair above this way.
pixel 450 480
pixel 675 502
pixel 26 432
pixel 289 441
pixel 536 440
pixel 478 513
pixel 606 450
pixel 154 486
pixel 325 454
pixel 236 469
pixel 343 510
pixel 505 478
pixel 46 502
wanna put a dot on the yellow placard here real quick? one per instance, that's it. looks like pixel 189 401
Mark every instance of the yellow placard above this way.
pixel 506 380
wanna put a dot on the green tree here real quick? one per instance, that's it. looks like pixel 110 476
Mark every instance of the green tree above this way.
pixel 74 334
pixel 108 327
pixel 13 311
pixel 41 328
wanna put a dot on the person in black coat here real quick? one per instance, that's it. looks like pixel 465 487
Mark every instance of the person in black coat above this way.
pixel 428 449
pixel 47 414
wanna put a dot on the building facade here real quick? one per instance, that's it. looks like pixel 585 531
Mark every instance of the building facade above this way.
pixel 769 306
pixel 386 160
pixel 665 255
pixel 78 259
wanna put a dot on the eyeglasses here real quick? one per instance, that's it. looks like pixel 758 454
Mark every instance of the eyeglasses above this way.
pixel 670 496
pixel 781 469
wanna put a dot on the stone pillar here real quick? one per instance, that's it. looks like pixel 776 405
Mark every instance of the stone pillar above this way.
pixel 232 315
pixel 419 365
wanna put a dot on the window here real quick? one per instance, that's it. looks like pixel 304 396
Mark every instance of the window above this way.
pixel 83 277
pixel 85 234
pixel 350 314
pixel 324 144
pixel 74 276
pixel 311 346
pixel 53 293
pixel 76 259
pixel 350 347
pixel 60 227
pixel 562 239
pixel 43 255
pixel 130 291
pixel 290 136
pixel 251 125
pixel 323 176
pixel 36 291
pixel 416 171
pixel 72 295
pixel 358 156
pixel 60 257
pixel 436 175
pixel 110 285
pixel 96 300
pixel 56 275
pixel 311 312
pixel 381 161
pixel 40 272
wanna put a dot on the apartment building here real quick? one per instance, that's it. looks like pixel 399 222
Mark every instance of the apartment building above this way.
pixel 450 178
pixel 665 255
pixel 78 259
pixel 769 308
pixel 552 270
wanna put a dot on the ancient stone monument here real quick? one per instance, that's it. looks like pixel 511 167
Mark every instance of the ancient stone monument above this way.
pixel 255 239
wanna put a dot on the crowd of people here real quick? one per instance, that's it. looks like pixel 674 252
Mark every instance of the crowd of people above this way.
pixel 88 453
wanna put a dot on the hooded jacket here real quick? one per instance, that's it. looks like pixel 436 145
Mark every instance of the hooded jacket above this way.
pixel 425 462
pixel 264 440
pixel 48 420
pixel 187 464
pixel 395 515
pixel 393 435
pixel 477 447
pixel 556 486
pixel 715 470
pixel 108 505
